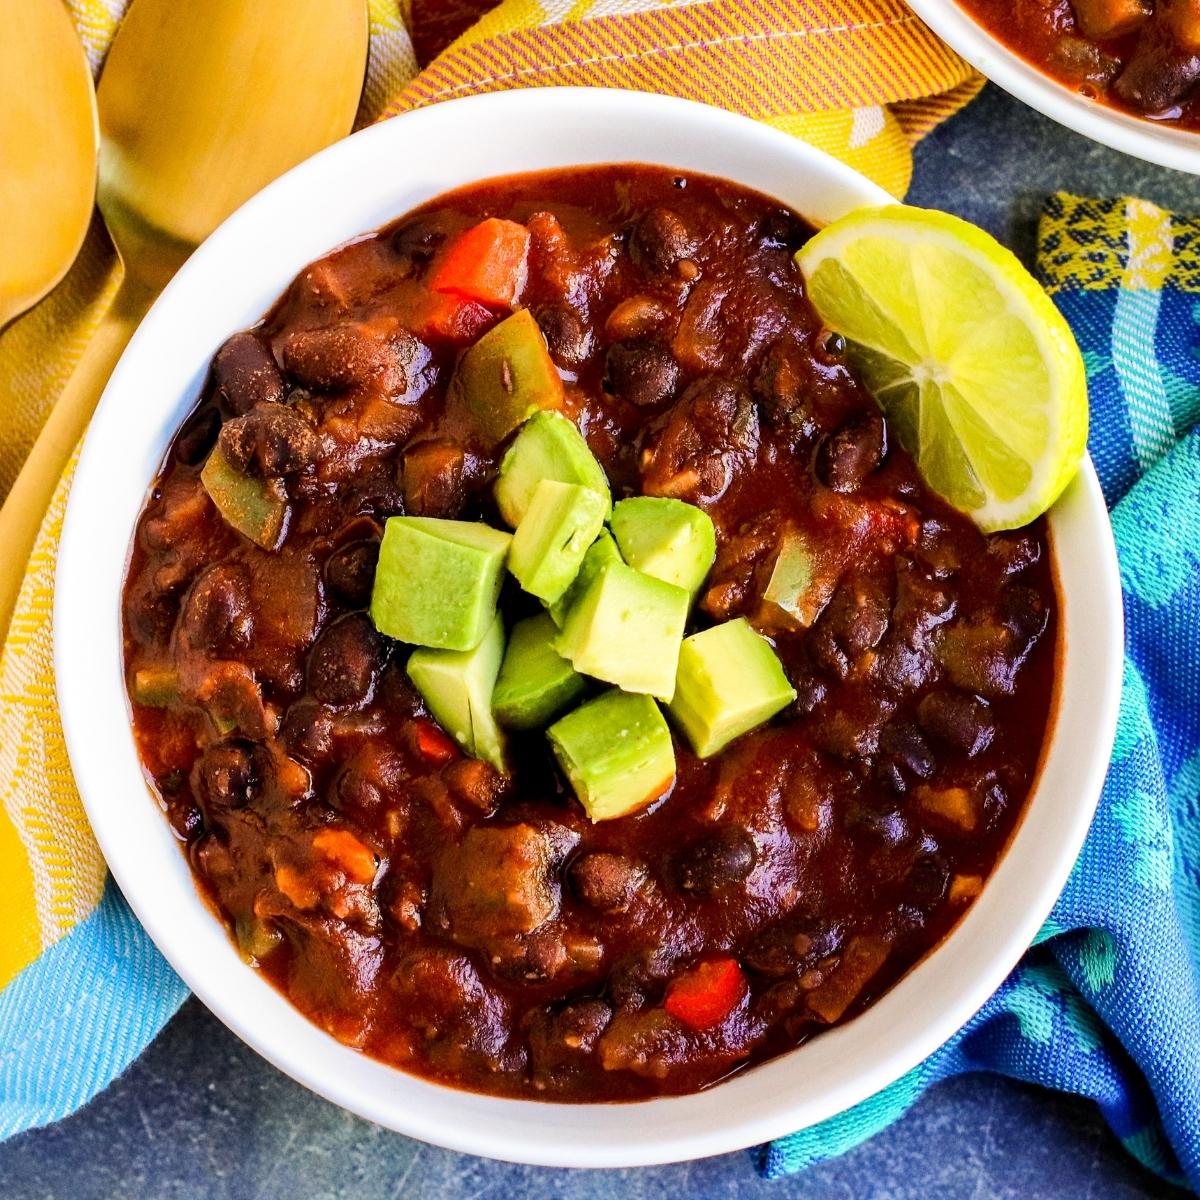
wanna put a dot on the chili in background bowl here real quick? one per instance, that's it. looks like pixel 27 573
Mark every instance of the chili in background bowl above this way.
pixel 1161 142
pixel 358 185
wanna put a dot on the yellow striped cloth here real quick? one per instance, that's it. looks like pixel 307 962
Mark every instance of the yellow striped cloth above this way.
pixel 863 79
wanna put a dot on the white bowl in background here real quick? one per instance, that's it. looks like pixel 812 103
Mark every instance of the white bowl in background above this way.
pixel 1155 141
pixel 355 186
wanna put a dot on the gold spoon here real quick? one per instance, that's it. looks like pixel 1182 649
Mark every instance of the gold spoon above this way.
pixel 47 150
pixel 201 105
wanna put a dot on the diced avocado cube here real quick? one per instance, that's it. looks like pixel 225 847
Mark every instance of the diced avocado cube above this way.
pixel 616 750
pixel 793 591
pixel 600 553
pixel 457 685
pixel 729 682
pixel 669 539
pixel 255 507
pixel 504 377
pixel 156 687
pixel 548 546
pixel 549 446
pixel 437 581
pixel 626 628
pixel 536 683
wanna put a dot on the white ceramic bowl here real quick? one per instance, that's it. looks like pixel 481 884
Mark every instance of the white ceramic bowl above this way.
pixel 1156 142
pixel 230 281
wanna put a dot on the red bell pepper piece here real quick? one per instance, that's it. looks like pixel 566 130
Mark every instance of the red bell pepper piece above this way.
pixel 448 318
pixel 486 264
pixel 435 744
pixel 707 993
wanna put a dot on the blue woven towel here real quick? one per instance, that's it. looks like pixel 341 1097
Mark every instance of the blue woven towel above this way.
pixel 1107 1004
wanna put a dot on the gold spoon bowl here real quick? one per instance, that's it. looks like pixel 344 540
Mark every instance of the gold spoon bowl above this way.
pixel 48 140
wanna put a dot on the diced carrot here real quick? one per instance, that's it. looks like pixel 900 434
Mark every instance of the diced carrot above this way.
pixel 487 263
pixel 296 887
pixel 449 318
pixel 343 849
pixel 434 743
pixel 707 993
pixel 954 805
pixel 964 888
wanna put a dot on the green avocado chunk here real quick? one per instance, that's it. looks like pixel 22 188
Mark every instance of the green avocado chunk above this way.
pixel 457 685
pixel 626 628
pixel 600 553
pixel 156 687
pixel 437 581
pixel 549 446
pixel 616 750
pixel 536 683
pixel 504 377
pixel 669 539
pixel 255 507
pixel 793 591
pixel 729 682
pixel 548 546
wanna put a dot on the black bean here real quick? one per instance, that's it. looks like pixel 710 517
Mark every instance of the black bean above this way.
pixel 560 1038
pixel 780 230
pixel 415 243
pixel 229 775
pixel 847 457
pixel 1023 613
pixel 217 616
pixel 723 856
pixel 936 550
pixel 307 731
pixel 607 882
pixel 810 691
pixel 1161 73
pixel 643 373
pixel 196 439
pixel 903 755
pixel 921 603
pixel 1015 552
pixel 660 239
pixel 887 826
pixel 341 356
pixel 344 661
pixel 853 622
pixel 272 439
pixel 927 880
pixel 847 735
pixel 475 784
pixel 780 392
pixel 567 336
pixel 789 945
pixel 350 572
pixel 245 373
pixel 640 977
pixel 958 719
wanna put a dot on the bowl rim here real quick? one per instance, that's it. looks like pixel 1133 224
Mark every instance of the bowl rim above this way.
pixel 1161 144
pixel 168 357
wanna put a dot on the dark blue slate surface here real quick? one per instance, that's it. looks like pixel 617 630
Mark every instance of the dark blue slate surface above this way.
pixel 200 1117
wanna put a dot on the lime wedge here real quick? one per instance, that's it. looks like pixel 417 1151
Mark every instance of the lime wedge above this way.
pixel 977 371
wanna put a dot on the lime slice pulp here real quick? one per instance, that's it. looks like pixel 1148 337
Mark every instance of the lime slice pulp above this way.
pixel 977 371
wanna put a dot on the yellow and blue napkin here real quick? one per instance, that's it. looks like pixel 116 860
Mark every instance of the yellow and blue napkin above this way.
pixel 1107 1003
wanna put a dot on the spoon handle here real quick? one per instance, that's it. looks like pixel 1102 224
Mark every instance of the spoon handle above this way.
pixel 25 507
